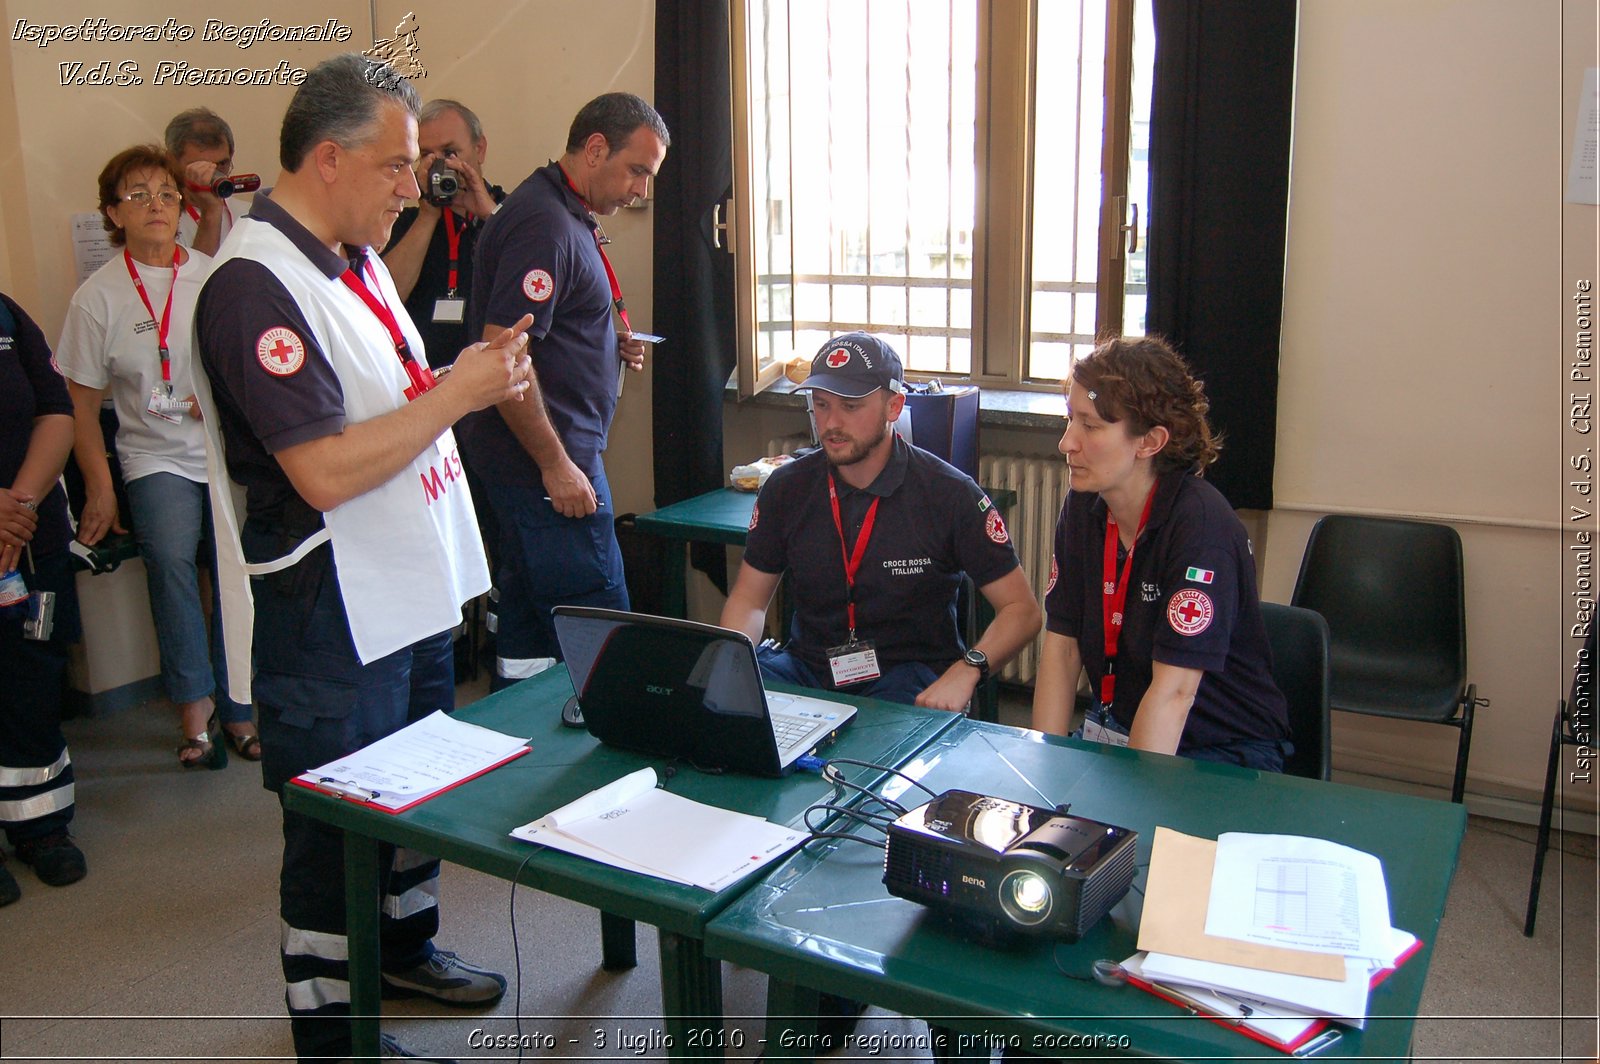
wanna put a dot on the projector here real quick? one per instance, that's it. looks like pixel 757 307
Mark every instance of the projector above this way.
pixel 1006 868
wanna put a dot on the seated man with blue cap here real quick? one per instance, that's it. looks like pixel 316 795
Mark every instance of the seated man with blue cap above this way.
pixel 877 533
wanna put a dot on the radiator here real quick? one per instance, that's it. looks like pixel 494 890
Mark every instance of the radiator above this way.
pixel 1041 486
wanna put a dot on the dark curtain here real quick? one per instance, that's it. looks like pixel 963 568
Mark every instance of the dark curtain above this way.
pixel 1219 194
pixel 694 281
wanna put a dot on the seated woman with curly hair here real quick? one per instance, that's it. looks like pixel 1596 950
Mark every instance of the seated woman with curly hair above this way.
pixel 1153 587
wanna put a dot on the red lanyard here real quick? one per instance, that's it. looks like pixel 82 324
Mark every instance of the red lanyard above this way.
pixel 421 377
pixel 1114 595
pixel 166 314
pixel 600 246
pixel 194 212
pixel 852 557
pixel 452 237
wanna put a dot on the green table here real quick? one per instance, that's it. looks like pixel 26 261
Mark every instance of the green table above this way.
pixel 470 824
pixel 823 919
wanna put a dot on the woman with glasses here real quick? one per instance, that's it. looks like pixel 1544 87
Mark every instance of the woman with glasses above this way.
pixel 128 336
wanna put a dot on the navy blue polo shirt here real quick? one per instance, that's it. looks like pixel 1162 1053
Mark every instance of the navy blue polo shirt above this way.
pixel 30 387
pixel 538 256
pixel 933 524
pixel 443 340
pixel 259 412
pixel 1192 602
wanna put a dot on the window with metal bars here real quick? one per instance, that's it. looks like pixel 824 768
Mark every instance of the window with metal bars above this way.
pixel 941 173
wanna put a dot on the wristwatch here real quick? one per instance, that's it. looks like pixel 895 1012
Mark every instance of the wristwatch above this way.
pixel 978 660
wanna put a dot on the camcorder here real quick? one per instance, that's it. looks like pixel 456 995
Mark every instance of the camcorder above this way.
pixel 442 185
pixel 225 185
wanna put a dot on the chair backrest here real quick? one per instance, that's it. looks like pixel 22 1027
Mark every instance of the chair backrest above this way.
pixel 1391 592
pixel 1299 640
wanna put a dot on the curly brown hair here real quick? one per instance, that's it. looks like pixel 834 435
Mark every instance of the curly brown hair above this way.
pixel 125 162
pixel 1144 381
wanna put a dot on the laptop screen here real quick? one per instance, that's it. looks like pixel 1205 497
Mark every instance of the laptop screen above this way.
pixel 668 687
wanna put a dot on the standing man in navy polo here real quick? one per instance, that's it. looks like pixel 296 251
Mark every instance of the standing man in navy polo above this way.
pixel 876 534
pixel 542 254
pixel 430 251
pixel 359 525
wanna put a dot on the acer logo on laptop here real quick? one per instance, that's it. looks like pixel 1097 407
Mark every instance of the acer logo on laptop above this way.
pixel 656 689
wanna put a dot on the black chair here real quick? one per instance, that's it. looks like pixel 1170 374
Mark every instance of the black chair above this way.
pixel 1391 592
pixel 1562 733
pixel 1299 640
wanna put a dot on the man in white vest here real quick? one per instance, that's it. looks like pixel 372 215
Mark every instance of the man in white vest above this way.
pixel 359 544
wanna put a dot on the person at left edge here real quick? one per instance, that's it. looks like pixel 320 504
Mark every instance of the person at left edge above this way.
pixel 431 249
pixel 329 417
pixel 36 776
pixel 542 254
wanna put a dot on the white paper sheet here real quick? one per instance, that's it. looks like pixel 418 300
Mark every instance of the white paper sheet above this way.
pixel 634 825
pixel 1583 186
pixel 430 755
pixel 1300 893
pixel 1283 1025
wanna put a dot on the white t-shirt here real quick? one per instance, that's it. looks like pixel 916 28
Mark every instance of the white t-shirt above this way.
pixel 110 341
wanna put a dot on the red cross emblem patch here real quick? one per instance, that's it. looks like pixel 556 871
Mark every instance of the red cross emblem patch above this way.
pixel 281 352
pixel 837 357
pixel 996 527
pixel 1050 585
pixel 1189 612
pixel 755 513
pixel 538 286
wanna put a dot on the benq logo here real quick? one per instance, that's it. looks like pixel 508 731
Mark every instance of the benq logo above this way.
pixel 973 881
pixel 653 689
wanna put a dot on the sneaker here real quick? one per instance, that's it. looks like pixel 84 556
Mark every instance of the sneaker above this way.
pixel 446 978
pixel 54 858
pixel 9 891
pixel 389 1049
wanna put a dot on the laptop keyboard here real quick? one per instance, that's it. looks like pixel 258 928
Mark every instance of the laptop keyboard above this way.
pixel 790 730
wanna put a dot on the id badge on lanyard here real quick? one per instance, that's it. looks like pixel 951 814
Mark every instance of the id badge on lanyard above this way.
pixel 451 309
pixel 855 661
pixel 1099 726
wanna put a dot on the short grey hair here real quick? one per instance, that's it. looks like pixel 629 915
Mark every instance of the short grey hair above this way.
pixel 341 100
pixel 200 126
pixel 615 116
pixel 434 108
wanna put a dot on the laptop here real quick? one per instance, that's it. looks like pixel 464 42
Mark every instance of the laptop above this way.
pixel 681 689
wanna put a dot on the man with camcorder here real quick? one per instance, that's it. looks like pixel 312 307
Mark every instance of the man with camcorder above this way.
pixel 430 253
pixel 202 143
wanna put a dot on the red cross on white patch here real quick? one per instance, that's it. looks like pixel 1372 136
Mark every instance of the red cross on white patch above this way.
pixel 837 357
pixel 1054 572
pixel 996 527
pixel 280 351
pixel 538 286
pixel 755 513
pixel 1189 612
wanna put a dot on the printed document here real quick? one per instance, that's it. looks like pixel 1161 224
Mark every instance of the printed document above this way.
pixel 421 759
pixel 1299 893
pixel 635 825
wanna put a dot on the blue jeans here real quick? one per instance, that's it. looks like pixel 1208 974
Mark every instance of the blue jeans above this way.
pixel 899 683
pixel 172 523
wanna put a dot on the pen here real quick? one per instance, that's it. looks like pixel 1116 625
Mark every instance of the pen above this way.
pixel 600 504
pixel 348 790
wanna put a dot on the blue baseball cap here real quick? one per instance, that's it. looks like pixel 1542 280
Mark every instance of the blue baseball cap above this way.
pixel 855 365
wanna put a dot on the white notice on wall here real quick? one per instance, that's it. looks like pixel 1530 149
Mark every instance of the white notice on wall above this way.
pixel 91 244
pixel 1582 183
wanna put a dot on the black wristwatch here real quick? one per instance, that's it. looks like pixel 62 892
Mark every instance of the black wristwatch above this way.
pixel 978 660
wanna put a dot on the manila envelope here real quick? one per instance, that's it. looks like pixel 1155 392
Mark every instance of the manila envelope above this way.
pixel 1177 894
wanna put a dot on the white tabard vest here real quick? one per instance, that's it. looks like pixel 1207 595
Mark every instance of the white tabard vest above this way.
pixel 408 552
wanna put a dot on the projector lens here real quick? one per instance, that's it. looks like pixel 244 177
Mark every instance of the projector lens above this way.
pixel 1026 897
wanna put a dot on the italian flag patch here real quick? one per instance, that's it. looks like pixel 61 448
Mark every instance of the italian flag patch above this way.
pixel 1199 576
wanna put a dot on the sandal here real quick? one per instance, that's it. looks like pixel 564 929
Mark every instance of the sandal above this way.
pixel 246 746
pixel 213 755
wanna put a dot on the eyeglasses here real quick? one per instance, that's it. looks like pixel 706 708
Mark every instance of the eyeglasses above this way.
pixel 140 198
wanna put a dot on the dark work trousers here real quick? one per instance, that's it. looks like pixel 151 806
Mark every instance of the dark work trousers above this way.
pixel 318 703
pixel 36 781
